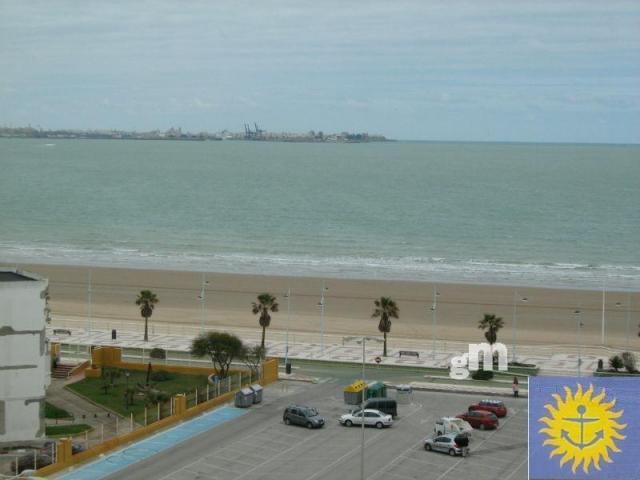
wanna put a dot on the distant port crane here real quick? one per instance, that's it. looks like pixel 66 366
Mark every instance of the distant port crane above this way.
pixel 252 134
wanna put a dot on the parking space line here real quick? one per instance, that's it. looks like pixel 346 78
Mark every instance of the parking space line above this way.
pixel 516 469
pixel 237 460
pixel 423 462
pixel 348 454
pixel 474 449
pixel 199 474
pixel 275 456
pixel 215 465
pixel 401 476
pixel 351 452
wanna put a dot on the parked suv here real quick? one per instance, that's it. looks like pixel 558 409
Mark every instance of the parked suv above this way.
pixel 493 406
pixel 385 405
pixel 451 443
pixel 480 419
pixel 302 415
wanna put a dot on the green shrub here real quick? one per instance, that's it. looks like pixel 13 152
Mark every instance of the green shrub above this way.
pixel 51 411
pixel 482 375
pixel 616 362
pixel 161 376
pixel 629 362
pixel 158 353
pixel 59 430
pixel 521 364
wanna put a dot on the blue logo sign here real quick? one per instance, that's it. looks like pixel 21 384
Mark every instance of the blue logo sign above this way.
pixel 584 428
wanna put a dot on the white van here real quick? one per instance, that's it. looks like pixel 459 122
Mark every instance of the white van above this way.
pixel 452 425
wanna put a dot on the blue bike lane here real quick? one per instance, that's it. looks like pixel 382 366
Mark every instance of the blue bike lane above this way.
pixel 108 465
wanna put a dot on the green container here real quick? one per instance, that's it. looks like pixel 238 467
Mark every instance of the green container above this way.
pixel 376 390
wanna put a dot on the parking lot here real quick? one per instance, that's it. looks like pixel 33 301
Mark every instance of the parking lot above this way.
pixel 259 446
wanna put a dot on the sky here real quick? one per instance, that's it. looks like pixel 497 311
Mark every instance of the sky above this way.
pixel 512 70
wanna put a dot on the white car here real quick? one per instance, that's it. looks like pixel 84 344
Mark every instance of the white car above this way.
pixel 373 418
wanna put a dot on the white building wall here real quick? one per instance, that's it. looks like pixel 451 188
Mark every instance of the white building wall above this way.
pixel 24 359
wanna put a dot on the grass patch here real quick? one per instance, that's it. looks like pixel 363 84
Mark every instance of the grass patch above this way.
pixel 62 430
pixel 51 411
pixel 115 398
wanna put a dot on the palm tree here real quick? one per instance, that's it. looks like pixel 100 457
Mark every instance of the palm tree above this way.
pixel 266 303
pixel 491 324
pixel 386 309
pixel 146 301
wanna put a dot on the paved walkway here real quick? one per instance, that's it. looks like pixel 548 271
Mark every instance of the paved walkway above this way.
pixel 552 360
pixel 102 421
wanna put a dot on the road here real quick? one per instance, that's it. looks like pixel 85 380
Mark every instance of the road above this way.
pixel 259 446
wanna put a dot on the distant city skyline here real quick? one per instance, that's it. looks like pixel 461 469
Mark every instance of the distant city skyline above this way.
pixel 543 71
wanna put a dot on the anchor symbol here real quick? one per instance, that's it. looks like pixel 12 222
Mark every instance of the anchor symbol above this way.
pixel 599 435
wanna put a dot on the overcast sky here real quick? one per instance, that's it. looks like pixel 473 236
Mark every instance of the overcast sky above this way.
pixel 559 71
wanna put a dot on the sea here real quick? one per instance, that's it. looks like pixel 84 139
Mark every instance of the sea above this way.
pixel 563 215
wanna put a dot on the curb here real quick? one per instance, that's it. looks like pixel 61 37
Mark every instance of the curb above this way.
pixel 492 393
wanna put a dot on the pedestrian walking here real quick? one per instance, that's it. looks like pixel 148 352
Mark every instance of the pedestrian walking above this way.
pixel 515 387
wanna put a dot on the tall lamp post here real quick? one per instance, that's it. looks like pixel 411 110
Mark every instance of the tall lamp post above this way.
pixel 602 326
pixel 363 341
pixel 202 302
pixel 579 325
pixel 286 343
pixel 434 309
pixel 321 305
pixel 89 292
pixel 515 321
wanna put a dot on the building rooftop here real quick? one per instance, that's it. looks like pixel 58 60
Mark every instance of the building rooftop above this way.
pixel 9 276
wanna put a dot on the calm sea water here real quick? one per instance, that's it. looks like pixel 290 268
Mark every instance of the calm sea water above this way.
pixel 564 215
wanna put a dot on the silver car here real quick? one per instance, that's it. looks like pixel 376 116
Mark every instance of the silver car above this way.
pixel 451 443
pixel 372 418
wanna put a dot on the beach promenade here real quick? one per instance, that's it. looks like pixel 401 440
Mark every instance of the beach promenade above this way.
pixel 448 312
pixel 556 360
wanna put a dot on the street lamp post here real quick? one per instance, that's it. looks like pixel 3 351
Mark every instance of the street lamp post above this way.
pixel 515 321
pixel 602 326
pixel 286 343
pixel 202 302
pixel 434 309
pixel 89 292
pixel 321 305
pixel 363 341
pixel 628 317
pixel 579 333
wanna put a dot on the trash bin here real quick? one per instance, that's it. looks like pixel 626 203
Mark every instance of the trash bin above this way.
pixel 244 398
pixel 376 390
pixel 287 368
pixel 353 393
pixel 257 392
pixel 113 334
pixel 403 394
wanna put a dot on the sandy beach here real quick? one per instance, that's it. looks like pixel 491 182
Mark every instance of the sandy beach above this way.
pixel 547 317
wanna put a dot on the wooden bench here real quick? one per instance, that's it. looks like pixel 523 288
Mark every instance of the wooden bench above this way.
pixel 409 353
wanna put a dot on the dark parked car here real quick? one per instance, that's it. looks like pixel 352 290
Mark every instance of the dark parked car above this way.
pixel 480 419
pixel 493 406
pixel 385 405
pixel 302 415
pixel 26 462
pixel 451 443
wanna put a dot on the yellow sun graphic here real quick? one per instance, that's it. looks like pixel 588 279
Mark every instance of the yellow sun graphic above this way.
pixel 582 428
